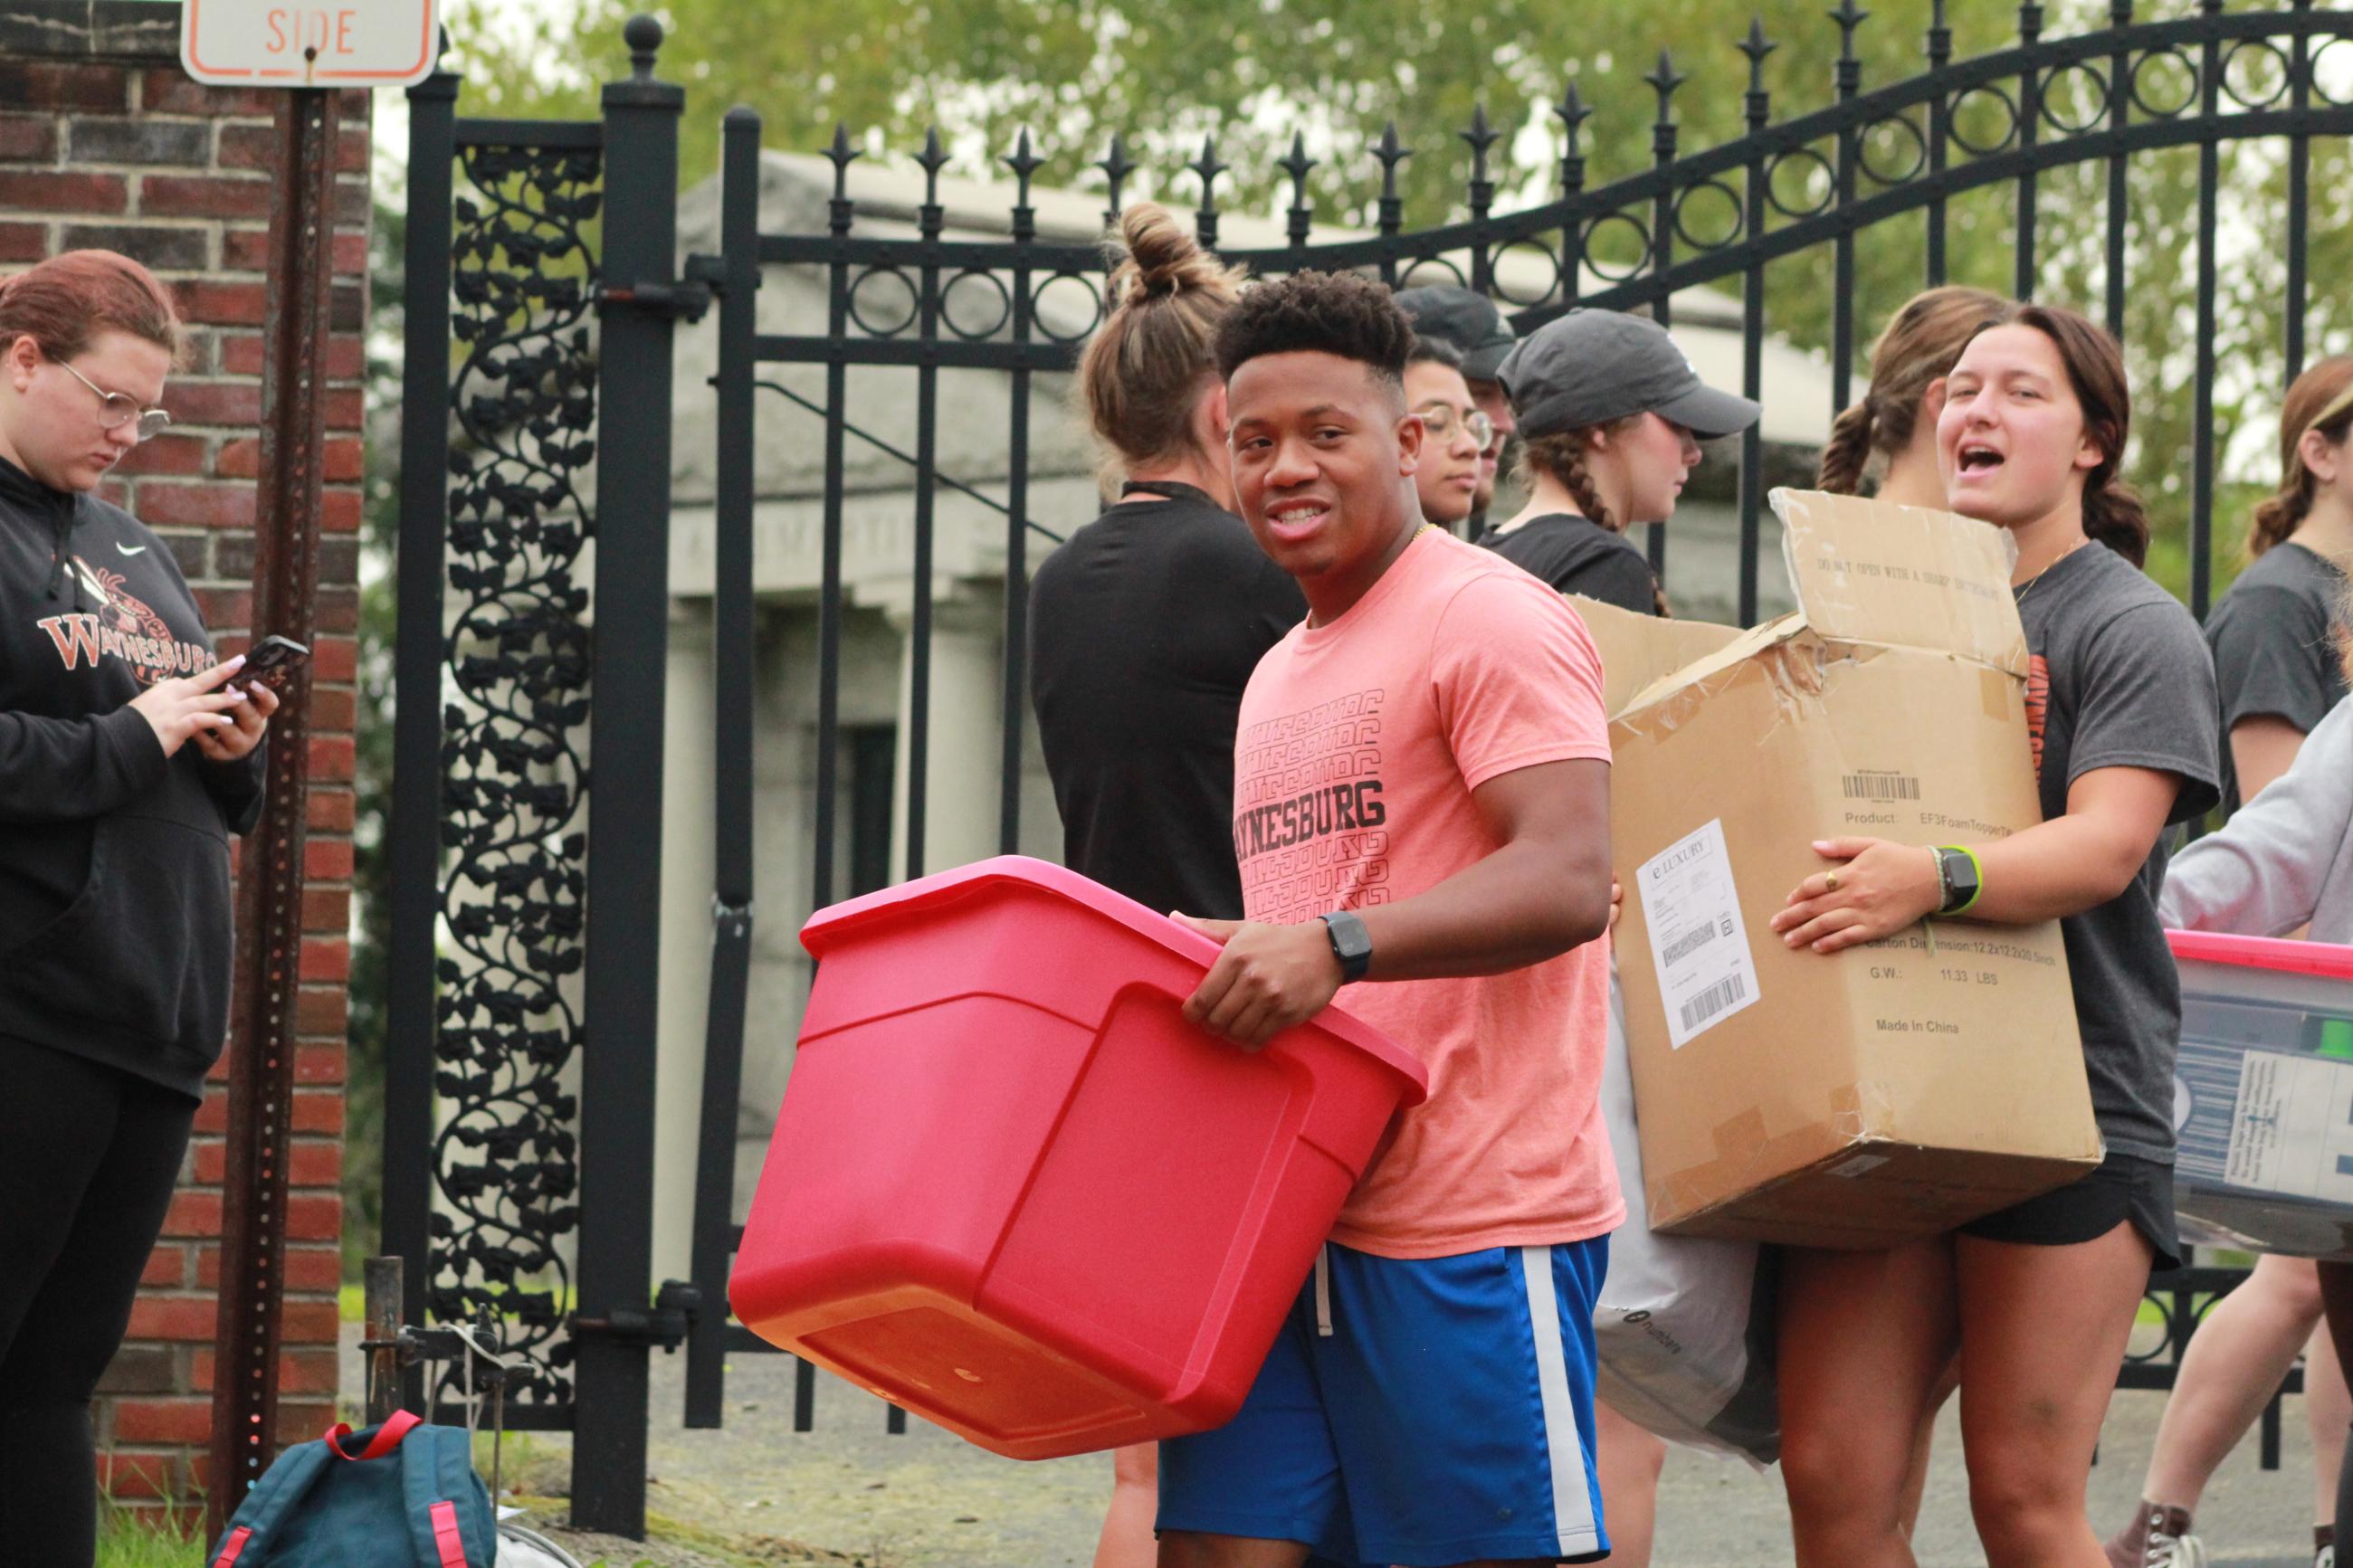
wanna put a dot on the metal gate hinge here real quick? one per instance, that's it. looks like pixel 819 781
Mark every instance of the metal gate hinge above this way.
pixel 666 1323
pixel 689 300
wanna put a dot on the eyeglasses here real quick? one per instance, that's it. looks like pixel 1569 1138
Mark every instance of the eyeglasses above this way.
pixel 116 409
pixel 1443 421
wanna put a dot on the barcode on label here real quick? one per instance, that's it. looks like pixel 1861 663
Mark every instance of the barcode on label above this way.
pixel 1881 786
pixel 1690 941
pixel 1713 1000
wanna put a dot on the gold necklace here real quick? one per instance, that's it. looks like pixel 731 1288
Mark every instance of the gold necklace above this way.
pixel 2038 577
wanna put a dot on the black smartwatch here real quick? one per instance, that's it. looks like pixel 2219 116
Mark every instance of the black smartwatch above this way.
pixel 1351 944
pixel 1959 879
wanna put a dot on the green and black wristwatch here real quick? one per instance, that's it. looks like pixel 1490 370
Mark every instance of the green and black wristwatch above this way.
pixel 1960 878
pixel 1351 944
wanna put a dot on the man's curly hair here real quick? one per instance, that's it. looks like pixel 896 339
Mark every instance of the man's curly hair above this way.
pixel 1318 313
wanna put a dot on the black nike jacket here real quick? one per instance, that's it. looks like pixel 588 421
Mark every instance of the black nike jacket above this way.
pixel 114 886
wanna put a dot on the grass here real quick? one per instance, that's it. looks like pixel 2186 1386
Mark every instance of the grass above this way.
pixel 132 1538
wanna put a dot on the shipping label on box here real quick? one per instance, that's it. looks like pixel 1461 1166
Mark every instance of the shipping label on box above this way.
pixel 1698 940
pixel 2263 1111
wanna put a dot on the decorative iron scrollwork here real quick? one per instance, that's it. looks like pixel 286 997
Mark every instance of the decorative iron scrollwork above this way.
pixel 514 785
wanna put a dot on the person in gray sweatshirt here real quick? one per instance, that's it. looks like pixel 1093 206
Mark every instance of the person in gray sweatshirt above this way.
pixel 2285 861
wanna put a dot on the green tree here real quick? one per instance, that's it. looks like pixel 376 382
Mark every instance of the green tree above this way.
pixel 1255 72
pixel 371 881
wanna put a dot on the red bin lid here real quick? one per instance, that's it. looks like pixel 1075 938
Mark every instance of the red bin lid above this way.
pixel 830 924
pixel 2328 960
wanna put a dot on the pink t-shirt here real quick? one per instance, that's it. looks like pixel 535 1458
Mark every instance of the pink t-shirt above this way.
pixel 1360 744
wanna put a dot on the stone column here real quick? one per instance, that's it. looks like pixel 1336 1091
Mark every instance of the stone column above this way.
pixel 960 805
pixel 686 880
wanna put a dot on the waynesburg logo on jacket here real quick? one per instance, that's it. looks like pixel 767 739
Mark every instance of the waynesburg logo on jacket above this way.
pixel 114 896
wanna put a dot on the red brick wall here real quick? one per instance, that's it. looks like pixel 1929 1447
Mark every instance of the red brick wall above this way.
pixel 104 141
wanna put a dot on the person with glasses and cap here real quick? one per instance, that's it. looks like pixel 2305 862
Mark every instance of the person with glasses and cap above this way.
pixel 1452 462
pixel 128 757
pixel 1467 322
pixel 1610 418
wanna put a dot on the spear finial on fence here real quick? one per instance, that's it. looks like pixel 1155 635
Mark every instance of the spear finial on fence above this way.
pixel 1757 45
pixel 932 161
pixel 1296 164
pixel 1024 164
pixel 1209 168
pixel 1390 152
pixel 1848 17
pixel 1664 80
pixel 842 154
pixel 1116 169
pixel 1572 112
pixel 1482 136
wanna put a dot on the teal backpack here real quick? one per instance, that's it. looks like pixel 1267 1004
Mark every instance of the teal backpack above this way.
pixel 402 1495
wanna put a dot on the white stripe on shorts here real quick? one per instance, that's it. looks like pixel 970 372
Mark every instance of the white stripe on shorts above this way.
pixel 1572 1503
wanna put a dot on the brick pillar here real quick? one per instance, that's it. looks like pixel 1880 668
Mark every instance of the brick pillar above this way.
pixel 105 141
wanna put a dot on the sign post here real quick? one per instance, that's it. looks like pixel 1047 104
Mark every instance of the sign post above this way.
pixel 316 50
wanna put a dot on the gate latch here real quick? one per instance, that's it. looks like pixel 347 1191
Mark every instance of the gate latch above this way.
pixel 666 1323
pixel 686 301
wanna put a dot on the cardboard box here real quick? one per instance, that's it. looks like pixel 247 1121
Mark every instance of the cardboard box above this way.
pixel 1891 1091
pixel 2262 1096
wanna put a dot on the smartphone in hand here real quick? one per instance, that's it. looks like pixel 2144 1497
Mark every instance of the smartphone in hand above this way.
pixel 272 661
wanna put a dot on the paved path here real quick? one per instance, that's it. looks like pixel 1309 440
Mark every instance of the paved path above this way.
pixel 929 1501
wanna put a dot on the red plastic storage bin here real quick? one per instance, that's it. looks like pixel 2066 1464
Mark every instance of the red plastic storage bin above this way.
pixel 1012 1190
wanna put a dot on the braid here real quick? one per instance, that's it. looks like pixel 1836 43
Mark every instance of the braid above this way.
pixel 1847 451
pixel 1578 483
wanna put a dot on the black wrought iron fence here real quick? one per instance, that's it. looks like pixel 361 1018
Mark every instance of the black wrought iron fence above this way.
pixel 522 1028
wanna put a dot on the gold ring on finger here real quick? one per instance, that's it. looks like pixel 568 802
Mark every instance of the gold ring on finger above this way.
pixel 1830 882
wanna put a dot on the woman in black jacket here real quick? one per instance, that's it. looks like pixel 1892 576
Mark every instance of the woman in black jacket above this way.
pixel 128 756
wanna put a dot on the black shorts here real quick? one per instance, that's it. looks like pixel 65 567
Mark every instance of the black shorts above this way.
pixel 2121 1187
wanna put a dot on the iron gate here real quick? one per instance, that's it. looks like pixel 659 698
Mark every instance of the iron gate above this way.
pixel 494 913
pixel 2053 103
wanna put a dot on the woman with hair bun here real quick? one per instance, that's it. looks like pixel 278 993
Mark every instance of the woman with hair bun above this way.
pixel 1883 435
pixel 127 759
pixel 2037 1299
pixel 1144 629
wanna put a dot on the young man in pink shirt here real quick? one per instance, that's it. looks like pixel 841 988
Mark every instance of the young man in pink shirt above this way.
pixel 1421 814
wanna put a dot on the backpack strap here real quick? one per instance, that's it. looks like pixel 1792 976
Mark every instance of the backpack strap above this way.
pixel 450 1521
pixel 247 1540
pixel 383 1441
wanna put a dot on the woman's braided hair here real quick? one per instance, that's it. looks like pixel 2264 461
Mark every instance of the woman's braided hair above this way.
pixel 1918 348
pixel 1561 454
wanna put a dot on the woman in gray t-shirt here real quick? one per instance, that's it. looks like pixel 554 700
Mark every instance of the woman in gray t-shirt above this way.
pixel 2038 1299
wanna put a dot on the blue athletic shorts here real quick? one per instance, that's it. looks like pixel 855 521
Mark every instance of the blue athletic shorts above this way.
pixel 1420 1413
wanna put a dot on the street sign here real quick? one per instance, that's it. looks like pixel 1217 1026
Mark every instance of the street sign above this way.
pixel 337 43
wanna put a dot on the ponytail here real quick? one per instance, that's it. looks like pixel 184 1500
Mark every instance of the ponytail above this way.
pixel 1847 451
pixel 1561 454
pixel 2312 404
pixel 2114 515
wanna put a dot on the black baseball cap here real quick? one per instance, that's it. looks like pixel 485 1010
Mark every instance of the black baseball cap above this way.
pixel 1590 367
pixel 1464 318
